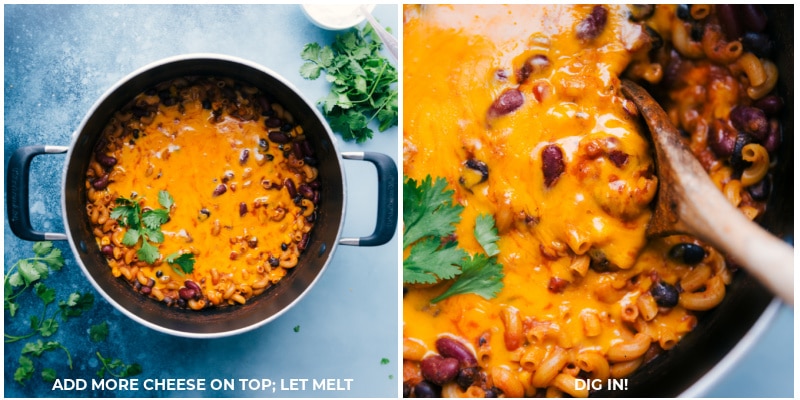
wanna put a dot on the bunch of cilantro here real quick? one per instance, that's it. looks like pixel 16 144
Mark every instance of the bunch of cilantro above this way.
pixel 30 274
pixel 363 83
pixel 429 223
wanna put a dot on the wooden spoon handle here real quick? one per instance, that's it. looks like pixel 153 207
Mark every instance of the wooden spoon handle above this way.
pixel 697 207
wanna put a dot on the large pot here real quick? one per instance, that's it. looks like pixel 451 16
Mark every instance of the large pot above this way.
pixel 213 322
pixel 725 333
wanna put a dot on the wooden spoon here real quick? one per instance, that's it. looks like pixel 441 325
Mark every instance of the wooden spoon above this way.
pixel 688 202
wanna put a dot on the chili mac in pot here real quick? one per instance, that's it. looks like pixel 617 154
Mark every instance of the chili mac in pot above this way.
pixel 204 196
pixel 514 124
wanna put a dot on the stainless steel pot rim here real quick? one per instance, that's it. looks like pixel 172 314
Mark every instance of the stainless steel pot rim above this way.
pixel 187 57
pixel 711 378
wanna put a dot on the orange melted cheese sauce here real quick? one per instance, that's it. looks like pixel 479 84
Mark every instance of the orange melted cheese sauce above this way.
pixel 457 61
pixel 243 239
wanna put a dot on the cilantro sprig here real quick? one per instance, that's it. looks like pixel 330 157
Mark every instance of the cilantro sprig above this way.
pixel 145 227
pixel 117 368
pixel 429 221
pixel 362 83
pixel 26 272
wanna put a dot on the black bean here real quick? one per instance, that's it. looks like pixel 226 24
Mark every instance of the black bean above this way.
pixel 426 390
pixel 284 246
pixel 508 101
pixel 263 144
pixel 310 161
pixel 664 294
pixel 101 182
pixel 181 303
pixel 206 104
pixel 135 133
pixel 220 189
pixel 159 273
pixel 592 26
pixel 279 137
pixel 289 184
pixel 287 127
pixel 750 120
pixel 760 190
pixel 406 390
pixel 492 392
pixel 683 12
pixel 274 261
pixel 656 41
pixel 203 214
pixel 139 112
pixel 759 44
pixel 552 164
pixel 689 253
pixel 466 377
pixel 311 218
pixel 738 164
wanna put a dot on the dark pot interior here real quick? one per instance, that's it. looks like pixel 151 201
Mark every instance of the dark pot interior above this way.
pixel 219 321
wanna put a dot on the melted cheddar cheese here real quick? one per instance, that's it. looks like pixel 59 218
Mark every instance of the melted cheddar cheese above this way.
pixel 459 61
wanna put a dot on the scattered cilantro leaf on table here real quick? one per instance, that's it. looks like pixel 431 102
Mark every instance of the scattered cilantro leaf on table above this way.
pixel 99 332
pixel 363 83
pixel 429 222
pixel 117 368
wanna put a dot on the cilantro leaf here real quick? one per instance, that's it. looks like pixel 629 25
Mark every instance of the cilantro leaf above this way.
pixel 166 200
pixel 131 237
pixel 76 304
pixel 428 210
pixel 147 253
pixel 486 234
pixel 153 219
pixel 24 371
pixel 48 327
pixel 48 295
pixel 480 275
pixel 184 261
pixel 429 262
pixel 363 83
pixel 49 375
pixel 99 332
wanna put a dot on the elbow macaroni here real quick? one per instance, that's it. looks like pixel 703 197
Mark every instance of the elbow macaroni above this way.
pixel 585 227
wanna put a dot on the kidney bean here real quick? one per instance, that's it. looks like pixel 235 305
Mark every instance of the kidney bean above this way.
pixel 279 137
pixel 306 191
pixel 106 161
pixel 307 149
pixel 316 197
pixel 263 103
pixel 729 21
pixel 508 101
pixel 689 253
pixel 242 209
pixel 664 294
pixel 774 138
pixel 426 390
pixel 303 243
pixel 101 144
pixel 101 182
pixel 492 393
pixel 192 285
pixel 535 64
pixel 452 348
pixel 146 289
pixel 592 26
pixel 108 251
pixel 557 285
pixel 721 139
pixel 618 157
pixel 244 156
pixel 438 369
pixel 754 18
pixel 273 122
pixel 552 164
pixel 186 293
pixel 750 120
pixel 297 150
pixel 289 184
pixel 220 189
pixel 771 105
pixel 760 190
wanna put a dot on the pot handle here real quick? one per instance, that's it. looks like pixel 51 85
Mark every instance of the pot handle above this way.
pixel 17 203
pixel 387 199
